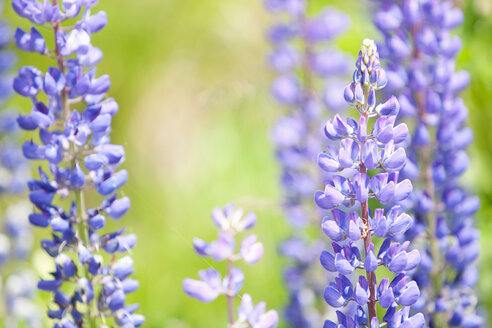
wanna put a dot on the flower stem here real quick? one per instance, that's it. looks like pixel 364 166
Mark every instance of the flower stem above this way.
pixel 425 154
pixel 83 233
pixel 371 277
pixel 230 295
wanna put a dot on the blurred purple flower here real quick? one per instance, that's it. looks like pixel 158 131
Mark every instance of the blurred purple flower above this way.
pixel 230 221
pixel 421 51
pixel 309 79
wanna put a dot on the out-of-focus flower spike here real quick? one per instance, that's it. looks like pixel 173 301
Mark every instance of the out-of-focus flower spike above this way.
pixel 420 52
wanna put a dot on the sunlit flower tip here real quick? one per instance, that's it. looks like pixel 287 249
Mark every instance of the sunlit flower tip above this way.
pixel 251 251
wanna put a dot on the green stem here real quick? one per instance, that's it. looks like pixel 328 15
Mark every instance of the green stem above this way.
pixel 230 294
pixel 83 232
pixel 436 274
pixel 82 228
pixel 426 156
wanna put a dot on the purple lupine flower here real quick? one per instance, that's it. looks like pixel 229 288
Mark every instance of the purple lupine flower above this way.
pixel 230 221
pixel 309 81
pixel 18 281
pixel 421 50
pixel 352 226
pixel 90 280
pixel 16 239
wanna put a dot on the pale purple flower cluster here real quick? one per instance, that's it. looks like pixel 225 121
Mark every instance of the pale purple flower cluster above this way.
pixel 230 222
pixel 73 117
pixel 17 283
pixel 371 163
pixel 310 79
pixel 421 52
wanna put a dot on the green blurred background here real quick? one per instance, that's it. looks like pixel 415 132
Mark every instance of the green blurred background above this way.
pixel 192 83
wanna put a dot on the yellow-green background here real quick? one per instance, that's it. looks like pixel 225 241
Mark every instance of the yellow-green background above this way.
pixel 192 83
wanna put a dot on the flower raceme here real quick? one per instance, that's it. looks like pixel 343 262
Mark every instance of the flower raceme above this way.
pixel 16 238
pixel 371 163
pixel 230 222
pixel 309 80
pixel 421 52
pixel 72 115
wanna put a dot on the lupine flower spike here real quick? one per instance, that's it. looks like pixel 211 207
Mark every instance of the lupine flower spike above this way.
pixel 421 54
pixel 90 279
pixel 310 79
pixel 354 228
pixel 18 282
pixel 231 222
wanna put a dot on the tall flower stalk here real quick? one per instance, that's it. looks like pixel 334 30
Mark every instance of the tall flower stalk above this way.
pixel 377 158
pixel 309 69
pixel 421 52
pixel 17 282
pixel 231 222
pixel 90 280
